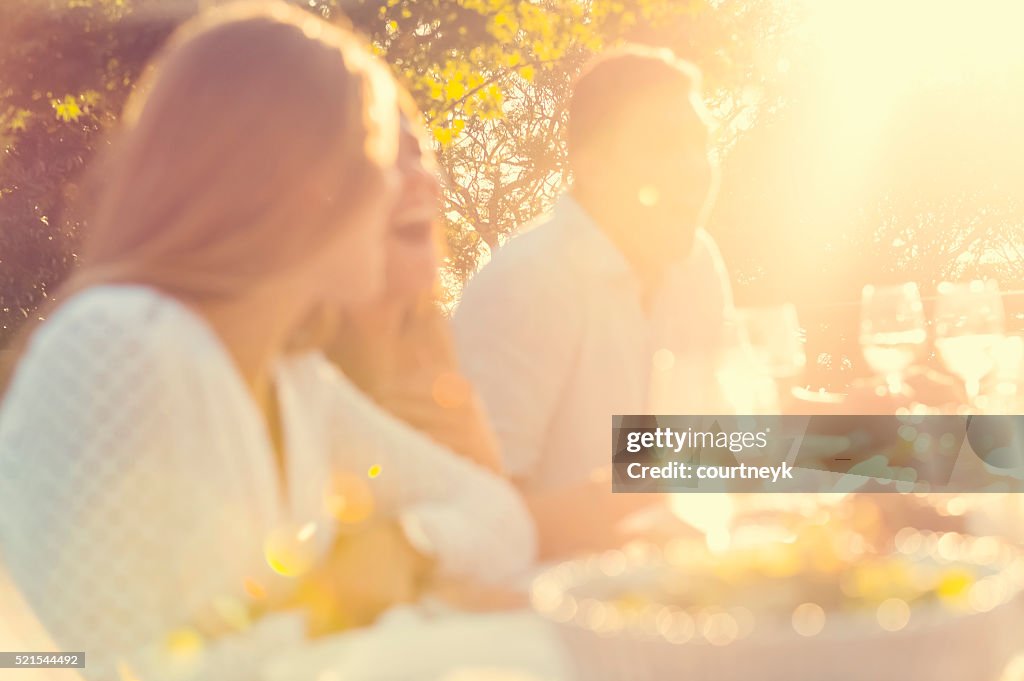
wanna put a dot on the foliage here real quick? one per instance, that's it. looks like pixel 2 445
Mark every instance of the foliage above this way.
pixel 489 75
pixel 66 67
pixel 492 76
pixel 812 209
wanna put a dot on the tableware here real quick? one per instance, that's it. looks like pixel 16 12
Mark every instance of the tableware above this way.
pixel 938 606
pixel 968 331
pixel 763 355
pixel 745 386
pixel 774 336
pixel 892 330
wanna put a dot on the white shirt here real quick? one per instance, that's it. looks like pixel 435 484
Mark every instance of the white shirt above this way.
pixel 554 335
pixel 138 484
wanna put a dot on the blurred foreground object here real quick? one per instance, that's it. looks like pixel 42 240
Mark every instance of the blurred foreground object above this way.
pixel 822 597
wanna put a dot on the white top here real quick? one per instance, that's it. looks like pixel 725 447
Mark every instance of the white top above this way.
pixel 138 483
pixel 555 337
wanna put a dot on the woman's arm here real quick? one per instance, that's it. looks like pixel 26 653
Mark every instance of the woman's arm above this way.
pixel 468 520
pixel 409 367
pixel 107 513
pixel 429 391
pixel 367 572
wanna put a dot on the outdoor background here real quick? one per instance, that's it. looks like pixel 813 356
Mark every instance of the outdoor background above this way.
pixel 860 142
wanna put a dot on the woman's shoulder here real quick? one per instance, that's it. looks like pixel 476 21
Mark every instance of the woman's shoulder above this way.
pixel 121 305
pixel 113 369
pixel 326 392
pixel 318 377
pixel 115 317
pixel 111 335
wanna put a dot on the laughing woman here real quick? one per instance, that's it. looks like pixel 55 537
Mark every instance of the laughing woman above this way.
pixel 399 348
pixel 171 463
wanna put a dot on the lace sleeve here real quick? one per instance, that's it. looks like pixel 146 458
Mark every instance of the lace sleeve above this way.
pixel 471 521
pixel 104 500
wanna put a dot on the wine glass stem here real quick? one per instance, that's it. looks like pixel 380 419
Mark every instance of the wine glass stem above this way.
pixel 973 388
pixel 894 383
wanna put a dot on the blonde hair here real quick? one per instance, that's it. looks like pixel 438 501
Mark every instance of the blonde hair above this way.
pixel 410 111
pixel 252 136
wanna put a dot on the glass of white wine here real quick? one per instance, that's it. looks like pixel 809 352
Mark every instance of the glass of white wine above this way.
pixel 968 331
pixel 745 387
pixel 776 344
pixel 892 330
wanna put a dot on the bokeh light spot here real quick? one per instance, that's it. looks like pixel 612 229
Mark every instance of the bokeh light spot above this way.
pixel 254 589
pixel 289 552
pixel 648 196
pixel 450 390
pixel 184 643
pixel 893 614
pixel 348 498
pixel 808 619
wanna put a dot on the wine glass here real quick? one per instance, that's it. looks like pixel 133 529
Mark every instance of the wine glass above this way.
pixel 892 330
pixel 744 387
pixel 775 340
pixel 968 330
pixel 775 352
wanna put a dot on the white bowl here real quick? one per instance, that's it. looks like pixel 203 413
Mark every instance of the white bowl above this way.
pixel 667 642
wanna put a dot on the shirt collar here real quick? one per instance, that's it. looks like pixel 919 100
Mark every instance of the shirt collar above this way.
pixel 591 251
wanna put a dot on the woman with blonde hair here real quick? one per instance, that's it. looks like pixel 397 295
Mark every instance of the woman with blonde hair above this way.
pixel 399 348
pixel 172 463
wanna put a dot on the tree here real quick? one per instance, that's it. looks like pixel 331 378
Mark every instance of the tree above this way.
pixel 68 66
pixel 843 184
pixel 490 77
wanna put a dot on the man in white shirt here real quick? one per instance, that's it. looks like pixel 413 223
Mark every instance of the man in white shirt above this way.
pixel 563 327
